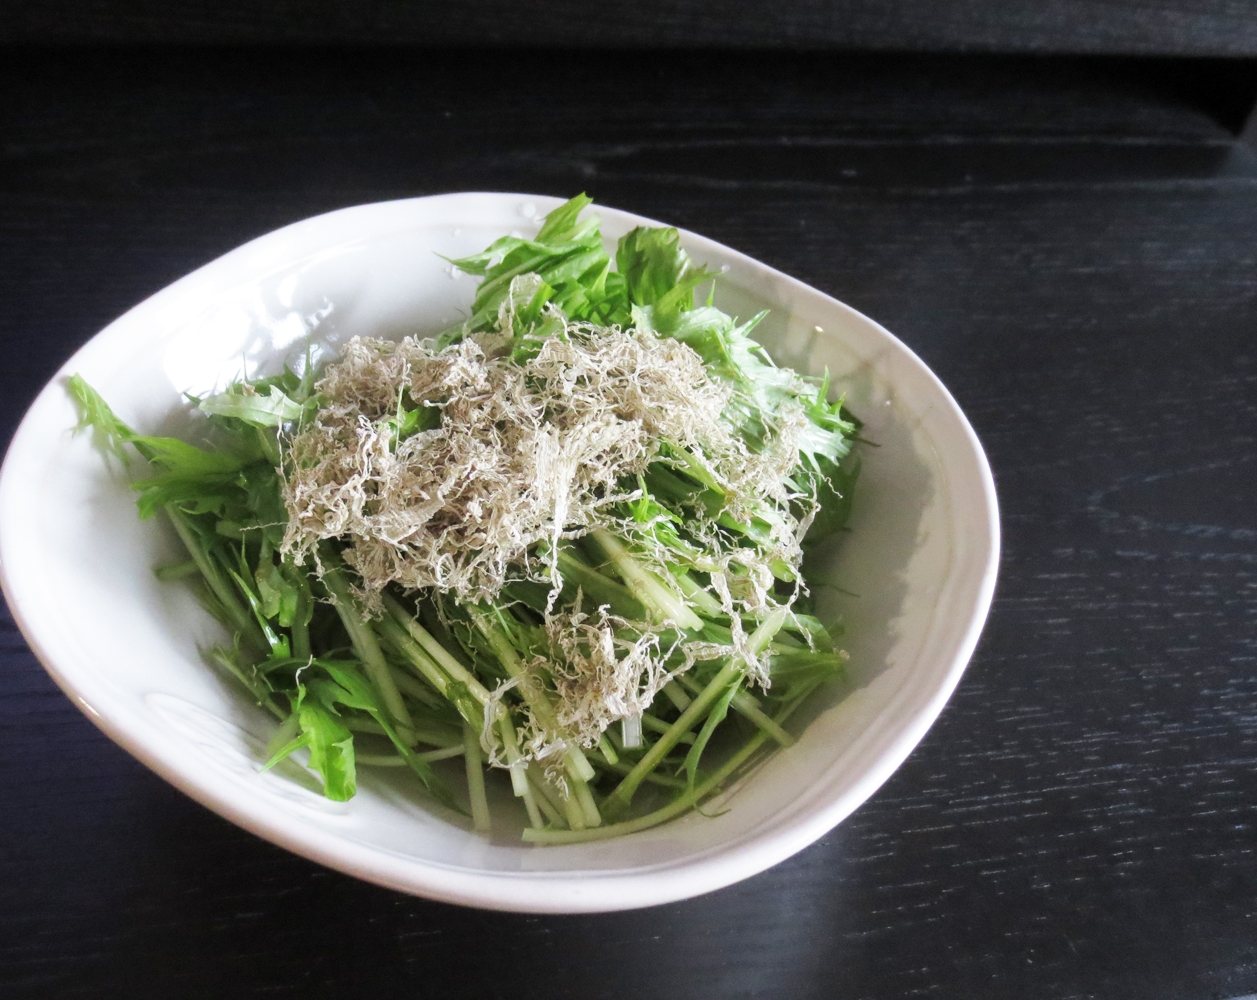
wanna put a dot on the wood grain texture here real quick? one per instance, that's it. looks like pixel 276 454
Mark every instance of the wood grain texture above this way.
pixel 1070 248
pixel 1145 27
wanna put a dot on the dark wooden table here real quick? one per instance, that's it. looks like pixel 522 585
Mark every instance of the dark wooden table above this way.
pixel 1071 246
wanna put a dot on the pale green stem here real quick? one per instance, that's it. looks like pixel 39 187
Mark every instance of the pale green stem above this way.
pixel 746 707
pixel 443 754
pixel 514 762
pixel 176 571
pixel 694 593
pixel 367 645
pixel 585 798
pixel 423 664
pixel 393 760
pixel 623 794
pixel 534 694
pixel 223 658
pixel 680 804
pixel 534 814
pixel 576 762
pixel 644 585
pixel 518 769
pixel 537 776
pixel 437 737
pixel 411 685
pixel 301 626
pixel 382 759
pixel 551 812
pixel 241 618
pixel 659 726
pixel 286 731
pixel 673 692
pixel 572 810
pixel 599 589
pixel 651 779
pixel 631 731
pixel 436 665
pixel 434 649
pixel 743 703
pixel 767 629
pixel 475 778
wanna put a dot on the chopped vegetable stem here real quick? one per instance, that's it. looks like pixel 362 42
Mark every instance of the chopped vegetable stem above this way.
pixel 534 695
pixel 514 761
pixel 366 644
pixel 631 731
pixel 176 571
pixel 538 779
pixel 547 807
pixel 644 585
pixel 673 692
pixel 475 779
pixel 410 685
pixel 301 625
pixel 287 730
pixel 696 595
pixel 659 726
pixel 431 735
pixel 607 750
pixel 395 760
pixel 680 804
pixel 423 665
pixel 435 650
pixel 589 810
pixel 241 618
pixel 599 589
pixel 745 706
pixel 620 798
pixel 573 812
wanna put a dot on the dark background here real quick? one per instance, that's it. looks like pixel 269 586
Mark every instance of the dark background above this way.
pixel 1050 202
pixel 1149 27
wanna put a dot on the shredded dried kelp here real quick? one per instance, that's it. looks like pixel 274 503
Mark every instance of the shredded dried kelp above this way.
pixel 518 454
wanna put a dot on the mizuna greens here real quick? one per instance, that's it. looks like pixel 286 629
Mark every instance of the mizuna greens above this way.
pixel 564 540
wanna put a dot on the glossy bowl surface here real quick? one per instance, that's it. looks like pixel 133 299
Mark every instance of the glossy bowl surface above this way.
pixel 76 563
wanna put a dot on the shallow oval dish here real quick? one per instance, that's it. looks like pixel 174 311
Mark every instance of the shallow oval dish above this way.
pixel 920 560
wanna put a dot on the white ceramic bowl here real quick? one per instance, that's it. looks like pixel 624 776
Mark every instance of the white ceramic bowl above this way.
pixel 76 563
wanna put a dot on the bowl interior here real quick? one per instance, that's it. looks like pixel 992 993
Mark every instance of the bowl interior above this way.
pixel 917 566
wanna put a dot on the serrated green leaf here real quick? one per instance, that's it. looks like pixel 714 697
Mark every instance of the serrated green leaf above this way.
pixel 349 688
pixel 270 409
pixel 167 453
pixel 659 274
pixel 331 749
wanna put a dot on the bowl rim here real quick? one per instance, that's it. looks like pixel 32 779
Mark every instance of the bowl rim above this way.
pixel 571 891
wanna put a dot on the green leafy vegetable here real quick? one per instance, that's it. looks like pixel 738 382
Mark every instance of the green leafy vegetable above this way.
pixel 272 409
pixel 330 743
pixel 564 540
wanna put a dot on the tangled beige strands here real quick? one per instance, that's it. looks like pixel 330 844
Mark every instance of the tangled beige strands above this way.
pixel 523 452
